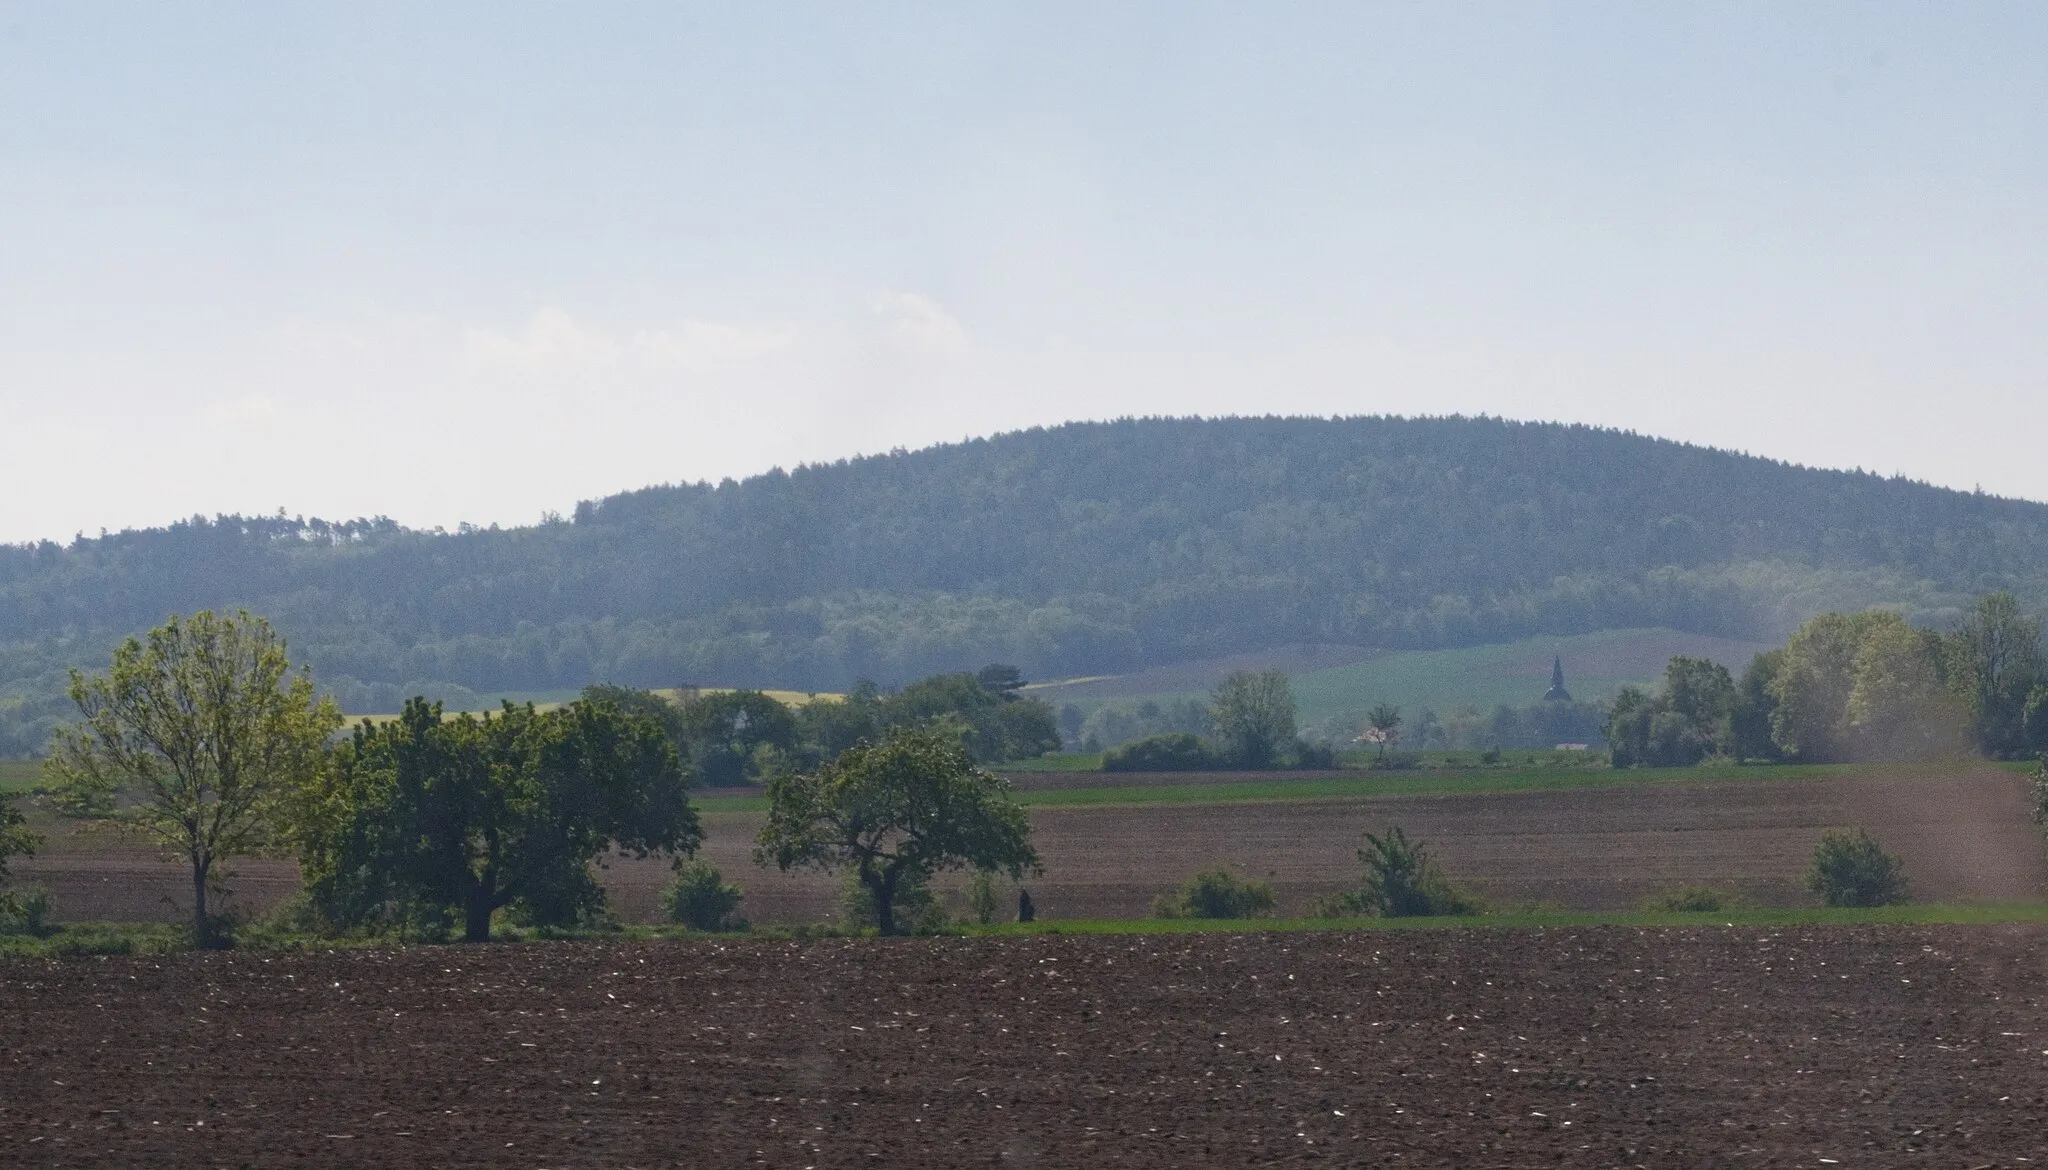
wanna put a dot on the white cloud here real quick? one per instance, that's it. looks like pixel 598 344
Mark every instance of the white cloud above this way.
pixel 555 342
pixel 920 323
pixel 249 409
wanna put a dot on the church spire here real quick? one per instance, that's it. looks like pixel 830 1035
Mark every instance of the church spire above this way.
pixel 1557 693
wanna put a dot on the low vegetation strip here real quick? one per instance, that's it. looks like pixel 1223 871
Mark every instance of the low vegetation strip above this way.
pixel 1910 914
pixel 1758 1044
pixel 1069 789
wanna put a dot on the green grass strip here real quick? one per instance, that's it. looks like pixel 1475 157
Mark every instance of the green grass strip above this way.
pixel 1367 785
pixel 1912 914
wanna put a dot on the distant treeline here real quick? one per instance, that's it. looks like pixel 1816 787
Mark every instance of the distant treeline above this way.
pixel 1088 548
pixel 1847 687
pixel 742 737
pixel 1117 722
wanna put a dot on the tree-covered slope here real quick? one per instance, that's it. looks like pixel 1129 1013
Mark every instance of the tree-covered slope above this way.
pixel 1076 549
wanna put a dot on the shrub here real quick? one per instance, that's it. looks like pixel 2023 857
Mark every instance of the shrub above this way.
pixel 1402 880
pixel 1691 899
pixel 1396 762
pixel 1177 752
pixel 1314 757
pixel 1852 869
pixel 700 898
pixel 1216 893
pixel 982 903
pixel 28 913
pixel 2038 783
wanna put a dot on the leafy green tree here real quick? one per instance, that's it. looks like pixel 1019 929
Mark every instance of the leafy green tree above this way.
pixel 733 734
pixel 1811 720
pixel 2035 721
pixel 826 729
pixel 895 813
pixel 647 704
pixel 1995 662
pixel 1254 715
pixel 995 724
pixel 1749 724
pixel 1687 721
pixel 425 815
pixel 16 840
pixel 1899 707
pixel 197 739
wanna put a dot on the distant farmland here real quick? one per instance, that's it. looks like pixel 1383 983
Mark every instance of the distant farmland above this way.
pixel 550 699
pixel 19 775
pixel 1331 682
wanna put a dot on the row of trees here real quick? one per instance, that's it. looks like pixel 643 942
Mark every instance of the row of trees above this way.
pixel 745 736
pixel 1250 716
pixel 1861 686
pixel 204 740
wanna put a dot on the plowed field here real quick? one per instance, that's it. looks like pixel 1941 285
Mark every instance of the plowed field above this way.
pixel 1963 835
pixel 1469 1048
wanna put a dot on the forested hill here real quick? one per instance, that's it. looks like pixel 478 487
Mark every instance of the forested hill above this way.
pixel 1085 548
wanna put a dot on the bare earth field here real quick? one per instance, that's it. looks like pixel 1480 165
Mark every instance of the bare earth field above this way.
pixel 1964 835
pixel 1584 1047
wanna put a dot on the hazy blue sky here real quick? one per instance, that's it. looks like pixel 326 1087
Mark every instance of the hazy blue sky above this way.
pixel 472 262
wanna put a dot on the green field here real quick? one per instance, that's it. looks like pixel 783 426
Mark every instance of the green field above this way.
pixel 124 938
pixel 1910 914
pixel 1280 786
pixel 18 776
pixel 1513 674
pixel 1058 762
pixel 547 700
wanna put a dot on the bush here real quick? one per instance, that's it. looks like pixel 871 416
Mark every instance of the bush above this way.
pixel 28 913
pixel 1216 893
pixel 1852 869
pixel 700 898
pixel 1314 757
pixel 1691 899
pixel 982 903
pixel 1402 880
pixel 1177 752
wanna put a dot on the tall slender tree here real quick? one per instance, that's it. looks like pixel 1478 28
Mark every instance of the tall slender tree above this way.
pixel 1254 715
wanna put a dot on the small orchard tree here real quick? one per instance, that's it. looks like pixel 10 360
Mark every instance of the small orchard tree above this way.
pixel 424 815
pixel 16 839
pixel 1383 726
pixel 894 814
pixel 206 732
